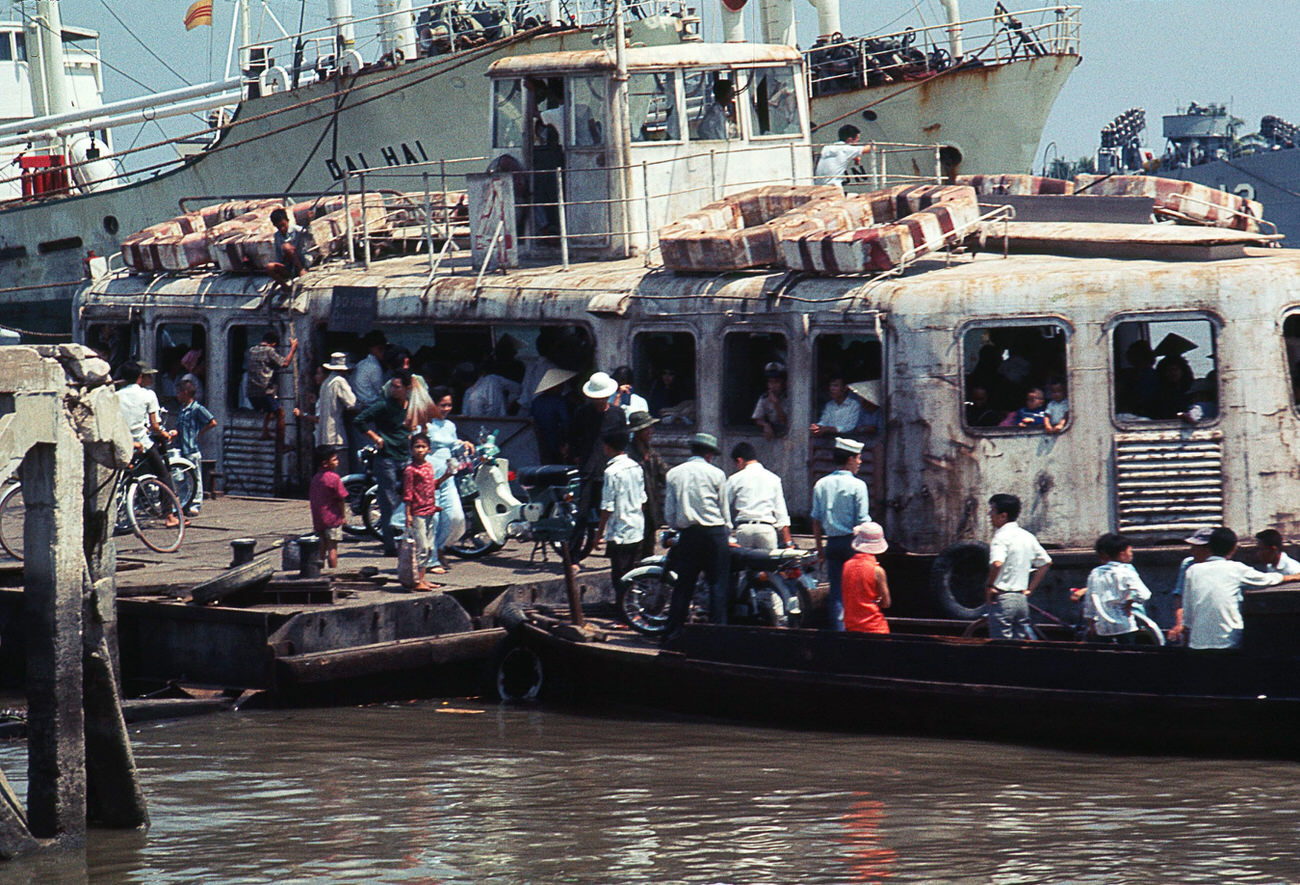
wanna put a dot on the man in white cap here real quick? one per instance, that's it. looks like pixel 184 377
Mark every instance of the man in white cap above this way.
pixel 696 505
pixel 593 421
pixel 757 502
pixel 336 397
pixel 839 503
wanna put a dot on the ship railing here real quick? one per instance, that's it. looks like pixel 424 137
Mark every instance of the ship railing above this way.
pixel 839 64
pixel 635 220
pixel 436 29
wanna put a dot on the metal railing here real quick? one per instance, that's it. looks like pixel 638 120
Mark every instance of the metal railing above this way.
pixel 545 225
pixel 449 26
pixel 840 64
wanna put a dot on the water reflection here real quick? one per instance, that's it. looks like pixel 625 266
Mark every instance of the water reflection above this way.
pixel 401 794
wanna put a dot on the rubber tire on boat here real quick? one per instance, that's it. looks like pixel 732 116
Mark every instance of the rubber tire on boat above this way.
pixel 517 673
pixel 958 577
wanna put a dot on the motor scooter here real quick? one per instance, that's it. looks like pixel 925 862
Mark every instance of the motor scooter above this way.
pixel 494 515
pixel 765 587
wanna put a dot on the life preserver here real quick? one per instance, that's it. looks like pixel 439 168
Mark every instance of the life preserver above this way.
pixel 958 577
pixel 734 233
pixel 1016 185
pixel 877 231
pixel 1182 201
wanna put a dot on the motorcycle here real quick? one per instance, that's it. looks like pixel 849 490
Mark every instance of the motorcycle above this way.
pixel 362 506
pixel 766 587
pixel 494 515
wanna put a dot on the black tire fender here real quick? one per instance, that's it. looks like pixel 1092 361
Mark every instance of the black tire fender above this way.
pixel 958 578
pixel 516 673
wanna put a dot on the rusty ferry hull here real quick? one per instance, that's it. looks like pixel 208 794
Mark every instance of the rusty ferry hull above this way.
pixel 1107 698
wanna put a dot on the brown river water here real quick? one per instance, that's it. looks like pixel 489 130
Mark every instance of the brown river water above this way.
pixel 461 792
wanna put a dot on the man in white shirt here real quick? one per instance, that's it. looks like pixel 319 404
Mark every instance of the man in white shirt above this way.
pixel 140 411
pixel 336 397
pixel 622 495
pixel 1017 565
pixel 490 396
pixel 1271 556
pixel 836 158
pixel 757 502
pixel 842 414
pixel 695 504
pixel 1211 610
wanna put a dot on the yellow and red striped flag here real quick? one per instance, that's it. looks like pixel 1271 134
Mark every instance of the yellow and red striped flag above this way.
pixel 199 13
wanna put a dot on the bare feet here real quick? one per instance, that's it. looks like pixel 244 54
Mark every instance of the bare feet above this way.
pixel 423 585
pixel 437 570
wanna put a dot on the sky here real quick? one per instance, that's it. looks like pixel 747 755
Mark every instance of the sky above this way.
pixel 1156 54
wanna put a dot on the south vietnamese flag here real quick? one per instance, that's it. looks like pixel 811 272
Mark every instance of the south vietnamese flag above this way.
pixel 199 13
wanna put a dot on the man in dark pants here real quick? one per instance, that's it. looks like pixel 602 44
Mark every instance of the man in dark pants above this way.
pixel 696 505
pixel 593 421
pixel 839 504
pixel 384 422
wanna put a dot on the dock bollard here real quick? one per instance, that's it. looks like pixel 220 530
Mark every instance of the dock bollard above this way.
pixel 241 551
pixel 290 554
pixel 309 556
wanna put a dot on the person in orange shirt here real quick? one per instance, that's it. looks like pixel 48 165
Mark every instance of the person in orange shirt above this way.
pixel 865 589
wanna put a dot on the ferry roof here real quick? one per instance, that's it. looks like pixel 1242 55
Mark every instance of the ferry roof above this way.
pixel 70 32
pixel 685 55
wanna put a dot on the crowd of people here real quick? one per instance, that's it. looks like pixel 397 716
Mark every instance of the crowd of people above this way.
pixel 1208 591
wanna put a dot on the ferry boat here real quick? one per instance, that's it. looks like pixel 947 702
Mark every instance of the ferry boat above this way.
pixel 297 129
pixel 596 272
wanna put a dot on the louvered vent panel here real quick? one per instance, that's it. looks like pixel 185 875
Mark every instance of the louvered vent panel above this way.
pixel 1168 484
pixel 248 461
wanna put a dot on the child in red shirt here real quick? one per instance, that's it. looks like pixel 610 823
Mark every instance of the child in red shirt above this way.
pixel 419 489
pixel 327 497
pixel 864 587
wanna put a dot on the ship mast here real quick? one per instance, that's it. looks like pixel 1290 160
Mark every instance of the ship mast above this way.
pixel 48 75
pixel 954 27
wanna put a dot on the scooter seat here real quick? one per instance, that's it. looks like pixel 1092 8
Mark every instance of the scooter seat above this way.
pixel 547 476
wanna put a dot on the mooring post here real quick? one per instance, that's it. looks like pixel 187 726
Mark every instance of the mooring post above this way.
pixel 52 582
pixel 114 797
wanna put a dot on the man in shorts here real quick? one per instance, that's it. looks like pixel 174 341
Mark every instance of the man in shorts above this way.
pixel 262 362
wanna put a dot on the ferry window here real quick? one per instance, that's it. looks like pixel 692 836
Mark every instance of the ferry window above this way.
pixel 773 103
pixel 1291 337
pixel 238 340
pixel 664 373
pixel 493 370
pixel 589 101
pixel 114 342
pixel 1166 371
pixel 754 383
pixel 181 350
pixel 20 46
pixel 508 114
pixel 1015 378
pixel 710 103
pixel 848 393
pixel 652 107
pixel 6 48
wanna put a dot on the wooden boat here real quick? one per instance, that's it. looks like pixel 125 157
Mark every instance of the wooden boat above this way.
pixel 1084 695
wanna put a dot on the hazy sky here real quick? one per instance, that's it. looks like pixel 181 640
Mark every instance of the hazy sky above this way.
pixel 1156 54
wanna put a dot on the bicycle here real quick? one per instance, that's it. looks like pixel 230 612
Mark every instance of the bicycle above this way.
pixel 144 503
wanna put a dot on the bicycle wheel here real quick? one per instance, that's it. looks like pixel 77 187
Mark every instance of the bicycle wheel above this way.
pixel 13 516
pixel 184 479
pixel 149 503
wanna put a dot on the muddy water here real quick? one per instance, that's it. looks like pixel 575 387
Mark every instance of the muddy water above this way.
pixel 466 793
